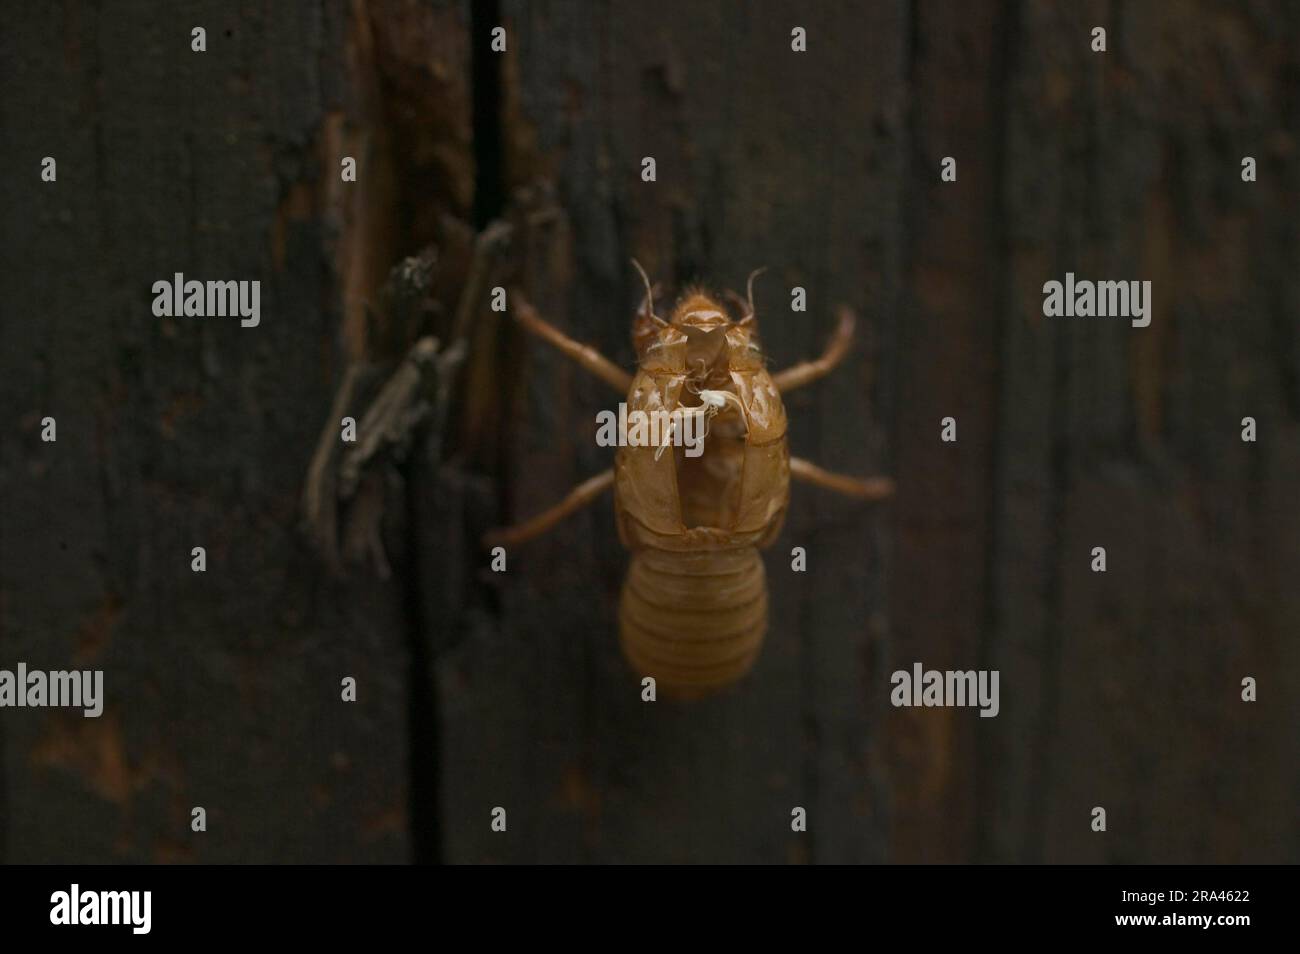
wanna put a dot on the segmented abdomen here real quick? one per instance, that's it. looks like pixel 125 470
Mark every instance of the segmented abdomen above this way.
pixel 693 620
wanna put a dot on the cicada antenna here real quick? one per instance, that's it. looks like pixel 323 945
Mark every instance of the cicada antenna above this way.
pixel 649 295
pixel 749 293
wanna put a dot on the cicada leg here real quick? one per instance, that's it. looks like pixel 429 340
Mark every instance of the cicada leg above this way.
pixel 588 357
pixel 808 371
pixel 579 497
pixel 871 488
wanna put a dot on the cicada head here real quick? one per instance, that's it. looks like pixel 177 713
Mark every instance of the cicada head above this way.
pixel 702 338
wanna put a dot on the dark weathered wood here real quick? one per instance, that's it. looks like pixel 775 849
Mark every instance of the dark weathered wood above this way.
pixel 223 688
pixel 1124 689
pixel 946 333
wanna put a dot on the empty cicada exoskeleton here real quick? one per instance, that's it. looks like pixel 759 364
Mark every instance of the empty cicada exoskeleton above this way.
pixel 693 611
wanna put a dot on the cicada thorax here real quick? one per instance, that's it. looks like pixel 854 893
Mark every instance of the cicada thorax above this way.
pixel 693 611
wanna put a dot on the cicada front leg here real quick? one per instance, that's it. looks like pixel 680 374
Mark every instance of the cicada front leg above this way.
pixel 586 356
pixel 807 372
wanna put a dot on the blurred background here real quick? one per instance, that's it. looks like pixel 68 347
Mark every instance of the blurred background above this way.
pixel 475 690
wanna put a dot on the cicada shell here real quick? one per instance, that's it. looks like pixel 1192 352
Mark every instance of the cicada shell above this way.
pixel 693 610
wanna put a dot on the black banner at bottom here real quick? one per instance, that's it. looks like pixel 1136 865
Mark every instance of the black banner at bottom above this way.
pixel 339 904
